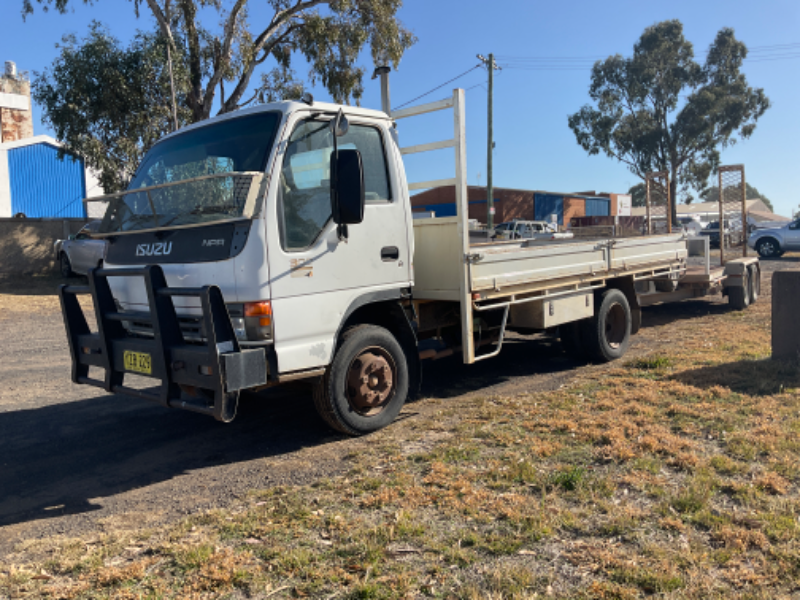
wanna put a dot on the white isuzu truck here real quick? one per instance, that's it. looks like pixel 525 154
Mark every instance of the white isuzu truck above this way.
pixel 277 243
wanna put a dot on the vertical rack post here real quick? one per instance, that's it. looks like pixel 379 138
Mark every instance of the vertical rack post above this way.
pixel 744 215
pixel 462 212
pixel 721 223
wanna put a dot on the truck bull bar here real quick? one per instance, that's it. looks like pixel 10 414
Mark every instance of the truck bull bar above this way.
pixel 200 377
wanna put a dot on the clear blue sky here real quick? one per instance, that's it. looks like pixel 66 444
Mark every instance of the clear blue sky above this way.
pixel 534 147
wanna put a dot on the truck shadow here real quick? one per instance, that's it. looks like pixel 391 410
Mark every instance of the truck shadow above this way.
pixel 665 314
pixel 56 458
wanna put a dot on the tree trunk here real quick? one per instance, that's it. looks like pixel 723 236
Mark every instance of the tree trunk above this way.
pixel 673 197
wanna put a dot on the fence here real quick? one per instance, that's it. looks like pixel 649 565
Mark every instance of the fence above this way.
pixel 658 214
pixel 26 245
pixel 732 214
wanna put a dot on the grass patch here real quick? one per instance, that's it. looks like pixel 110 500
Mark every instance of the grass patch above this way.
pixel 667 476
pixel 651 363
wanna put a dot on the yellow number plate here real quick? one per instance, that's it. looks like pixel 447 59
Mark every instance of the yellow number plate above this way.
pixel 138 362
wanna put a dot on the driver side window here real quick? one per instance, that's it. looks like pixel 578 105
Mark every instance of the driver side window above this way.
pixel 305 187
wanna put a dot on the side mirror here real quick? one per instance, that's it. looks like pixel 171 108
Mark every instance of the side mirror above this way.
pixel 71 236
pixel 347 187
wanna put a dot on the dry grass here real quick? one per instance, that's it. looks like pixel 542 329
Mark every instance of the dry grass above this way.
pixel 673 475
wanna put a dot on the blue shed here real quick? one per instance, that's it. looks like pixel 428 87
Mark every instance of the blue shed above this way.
pixel 36 183
pixel 598 207
pixel 545 205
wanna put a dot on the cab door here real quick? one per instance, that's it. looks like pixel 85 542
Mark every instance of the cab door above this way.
pixel 316 279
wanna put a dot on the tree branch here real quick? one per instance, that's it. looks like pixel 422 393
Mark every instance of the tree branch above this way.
pixel 166 29
pixel 280 18
pixel 221 63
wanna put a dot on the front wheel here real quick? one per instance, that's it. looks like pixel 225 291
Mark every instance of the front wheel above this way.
pixel 366 385
pixel 608 334
pixel 65 266
pixel 768 248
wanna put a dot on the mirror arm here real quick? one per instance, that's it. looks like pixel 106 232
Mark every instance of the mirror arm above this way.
pixel 341 230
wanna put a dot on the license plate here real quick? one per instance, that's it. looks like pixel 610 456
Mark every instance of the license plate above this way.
pixel 138 362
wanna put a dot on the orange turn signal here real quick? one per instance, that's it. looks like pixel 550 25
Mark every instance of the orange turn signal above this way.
pixel 258 309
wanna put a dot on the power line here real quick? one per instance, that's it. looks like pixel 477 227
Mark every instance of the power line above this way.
pixel 754 49
pixel 437 87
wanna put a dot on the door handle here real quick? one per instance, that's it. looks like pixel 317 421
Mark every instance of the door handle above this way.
pixel 390 253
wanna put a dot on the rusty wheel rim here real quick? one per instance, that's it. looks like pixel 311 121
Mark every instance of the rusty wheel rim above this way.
pixel 371 380
pixel 615 326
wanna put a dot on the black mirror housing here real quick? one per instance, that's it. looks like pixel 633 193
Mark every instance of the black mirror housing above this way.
pixel 347 187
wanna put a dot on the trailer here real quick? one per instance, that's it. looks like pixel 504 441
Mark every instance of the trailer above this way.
pixel 278 243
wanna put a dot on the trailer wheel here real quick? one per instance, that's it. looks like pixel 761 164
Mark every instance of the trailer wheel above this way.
pixel 739 297
pixel 755 282
pixel 65 266
pixel 608 334
pixel 366 385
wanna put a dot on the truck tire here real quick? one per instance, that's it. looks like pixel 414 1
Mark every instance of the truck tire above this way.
pixel 739 297
pixel 768 248
pixel 571 340
pixel 607 335
pixel 65 267
pixel 366 385
pixel 755 282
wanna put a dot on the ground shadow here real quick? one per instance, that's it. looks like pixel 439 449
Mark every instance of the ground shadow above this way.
pixel 763 377
pixel 65 454
pixel 665 314
pixel 55 459
pixel 35 285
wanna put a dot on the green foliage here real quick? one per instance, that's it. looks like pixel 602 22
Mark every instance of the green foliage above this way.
pixel 711 194
pixel 638 194
pixel 328 34
pixel 659 110
pixel 108 103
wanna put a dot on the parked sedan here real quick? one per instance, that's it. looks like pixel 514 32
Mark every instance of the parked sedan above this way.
pixel 80 252
pixel 773 242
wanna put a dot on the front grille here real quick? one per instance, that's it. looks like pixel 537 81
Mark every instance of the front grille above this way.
pixel 191 327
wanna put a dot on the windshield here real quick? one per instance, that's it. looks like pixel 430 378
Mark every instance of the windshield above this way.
pixel 207 175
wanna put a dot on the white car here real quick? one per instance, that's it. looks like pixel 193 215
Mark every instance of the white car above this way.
pixel 527 230
pixel 79 253
pixel 773 242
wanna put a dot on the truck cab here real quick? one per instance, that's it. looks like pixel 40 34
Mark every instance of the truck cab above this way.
pixel 251 214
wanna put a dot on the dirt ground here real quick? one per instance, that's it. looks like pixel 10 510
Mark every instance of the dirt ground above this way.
pixel 75 459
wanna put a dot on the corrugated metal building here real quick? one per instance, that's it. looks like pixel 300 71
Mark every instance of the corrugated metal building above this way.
pixel 37 184
pixel 513 204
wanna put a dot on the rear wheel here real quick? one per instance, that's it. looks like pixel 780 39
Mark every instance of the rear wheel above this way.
pixel 739 297
pixel 366 385
pixel 608 334
pixel 768 248
pixel 65 266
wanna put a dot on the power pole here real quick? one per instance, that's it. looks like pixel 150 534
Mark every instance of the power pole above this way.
pixel 491 66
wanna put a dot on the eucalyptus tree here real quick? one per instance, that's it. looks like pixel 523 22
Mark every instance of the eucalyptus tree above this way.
pixel 107 102
pixel 236 50
pixel 660 110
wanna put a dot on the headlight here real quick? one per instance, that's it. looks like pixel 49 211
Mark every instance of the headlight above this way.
pixel 258 320
pixel 252 321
